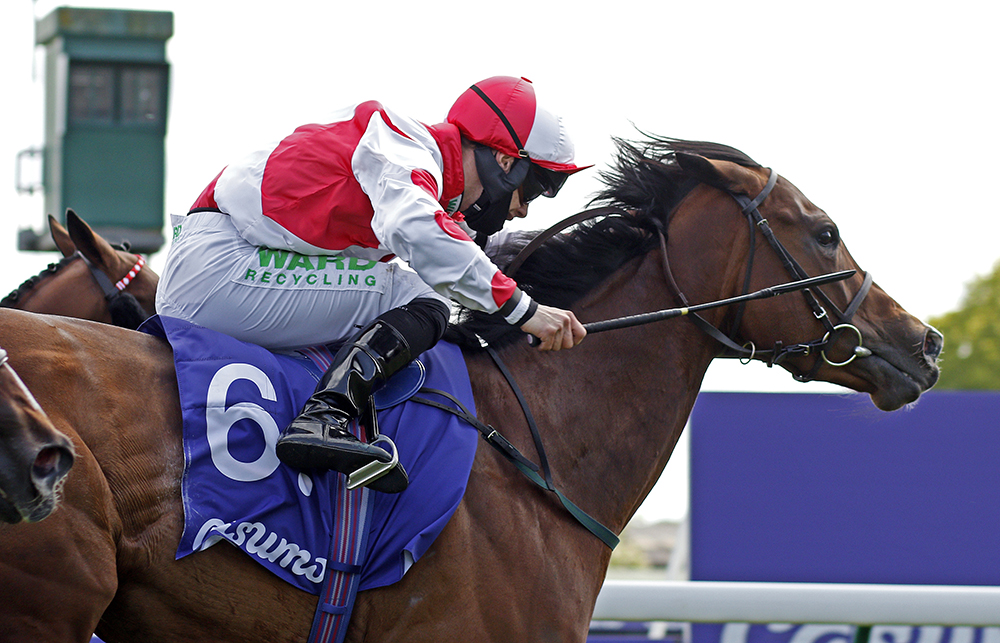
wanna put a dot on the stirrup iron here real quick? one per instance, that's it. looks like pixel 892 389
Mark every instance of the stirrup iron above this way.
pixel 375 469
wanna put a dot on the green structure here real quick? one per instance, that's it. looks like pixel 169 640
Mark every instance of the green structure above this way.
pixel 106 88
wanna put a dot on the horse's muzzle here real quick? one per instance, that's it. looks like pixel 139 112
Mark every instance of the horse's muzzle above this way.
pixel 49 469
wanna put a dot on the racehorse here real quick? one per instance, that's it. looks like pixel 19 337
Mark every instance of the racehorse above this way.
pixel 511 564
pixel 94 280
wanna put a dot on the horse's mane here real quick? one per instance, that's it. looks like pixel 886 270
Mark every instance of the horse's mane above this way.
pixel 29 284
pixel 125 309
pixel 646 182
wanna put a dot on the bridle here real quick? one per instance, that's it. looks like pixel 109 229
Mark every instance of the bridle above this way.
pixel 540 474
pixel 748 351
pixel 813 297
pixel 5 363
pixel 112 290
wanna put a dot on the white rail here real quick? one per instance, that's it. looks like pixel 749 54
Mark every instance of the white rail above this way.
pixel 723 602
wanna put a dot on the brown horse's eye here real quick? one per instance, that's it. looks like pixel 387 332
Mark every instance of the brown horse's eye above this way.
pixel 827 238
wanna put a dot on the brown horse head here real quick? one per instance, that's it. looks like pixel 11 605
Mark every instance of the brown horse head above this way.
pixel 874 345
pixel 94 280
pixel 684 208
pixel 34 456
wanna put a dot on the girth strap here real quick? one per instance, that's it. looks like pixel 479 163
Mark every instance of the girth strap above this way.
pixel 348 548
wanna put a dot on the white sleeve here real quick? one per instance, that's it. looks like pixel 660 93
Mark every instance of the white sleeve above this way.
pixel 403 180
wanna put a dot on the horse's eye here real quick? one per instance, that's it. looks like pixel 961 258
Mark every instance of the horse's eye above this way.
pixel 827 237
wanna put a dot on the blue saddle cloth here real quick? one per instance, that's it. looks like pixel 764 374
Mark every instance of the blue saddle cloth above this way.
pixel 237 397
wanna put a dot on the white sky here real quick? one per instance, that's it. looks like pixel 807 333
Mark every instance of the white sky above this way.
pixel 883 113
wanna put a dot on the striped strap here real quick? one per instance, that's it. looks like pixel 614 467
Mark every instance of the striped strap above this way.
pixel 348 545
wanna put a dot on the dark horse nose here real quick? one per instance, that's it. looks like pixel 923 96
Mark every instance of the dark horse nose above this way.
pixel 51 465
pixel 933 343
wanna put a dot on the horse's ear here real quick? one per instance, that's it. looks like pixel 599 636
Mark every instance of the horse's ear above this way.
pixel 61 237
pixel 723 175
pixel 88 242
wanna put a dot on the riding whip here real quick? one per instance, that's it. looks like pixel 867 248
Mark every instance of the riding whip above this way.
pixel 773 291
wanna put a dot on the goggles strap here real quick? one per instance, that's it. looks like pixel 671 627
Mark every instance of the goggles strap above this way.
pixel 510 128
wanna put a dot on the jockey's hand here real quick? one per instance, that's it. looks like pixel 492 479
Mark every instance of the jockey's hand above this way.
pixel 555 328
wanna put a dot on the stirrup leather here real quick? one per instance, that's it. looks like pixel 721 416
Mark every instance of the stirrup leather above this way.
pixel 369 474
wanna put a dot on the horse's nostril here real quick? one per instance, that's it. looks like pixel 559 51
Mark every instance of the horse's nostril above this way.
pixel 933 343
pixel 52 463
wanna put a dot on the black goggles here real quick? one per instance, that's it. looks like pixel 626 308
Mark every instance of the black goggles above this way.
pixel 542 182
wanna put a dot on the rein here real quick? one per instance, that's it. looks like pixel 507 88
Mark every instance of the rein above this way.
pixel 542 237
pixel 749 208
pixel 509 451
pixel 776 355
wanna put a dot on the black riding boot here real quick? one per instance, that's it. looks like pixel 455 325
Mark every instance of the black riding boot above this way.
pixel 319 437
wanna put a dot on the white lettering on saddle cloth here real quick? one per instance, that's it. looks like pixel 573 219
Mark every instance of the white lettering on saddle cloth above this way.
pixel 235 398
pixel 286 270
pixel 232 472
pixel 248 536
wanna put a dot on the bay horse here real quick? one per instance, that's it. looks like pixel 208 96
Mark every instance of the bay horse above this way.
pixel 511 564
pixel 94 280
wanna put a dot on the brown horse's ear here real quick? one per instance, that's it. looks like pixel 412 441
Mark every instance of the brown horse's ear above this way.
pixel 89 243
pixel 723 175
pixel 61 237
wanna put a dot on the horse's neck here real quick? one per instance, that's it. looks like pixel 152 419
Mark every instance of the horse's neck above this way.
pixel 610 410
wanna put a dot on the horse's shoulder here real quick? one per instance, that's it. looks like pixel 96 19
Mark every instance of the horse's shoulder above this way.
pixel 60 355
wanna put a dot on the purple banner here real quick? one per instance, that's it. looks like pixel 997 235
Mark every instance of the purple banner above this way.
pixel 826 488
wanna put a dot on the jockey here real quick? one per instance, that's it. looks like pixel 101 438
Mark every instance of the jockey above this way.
pixel 290 247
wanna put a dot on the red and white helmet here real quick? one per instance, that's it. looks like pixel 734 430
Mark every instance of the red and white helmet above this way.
pixel 502 113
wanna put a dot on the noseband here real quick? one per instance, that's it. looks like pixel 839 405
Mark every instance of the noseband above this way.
pixel 776 355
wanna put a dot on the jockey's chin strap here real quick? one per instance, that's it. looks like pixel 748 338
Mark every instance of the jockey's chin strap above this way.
pixel 747 352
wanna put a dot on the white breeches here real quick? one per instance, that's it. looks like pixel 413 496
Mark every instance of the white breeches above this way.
pixel 277 299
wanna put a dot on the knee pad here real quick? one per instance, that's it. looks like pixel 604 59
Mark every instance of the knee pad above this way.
pixel 421 322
